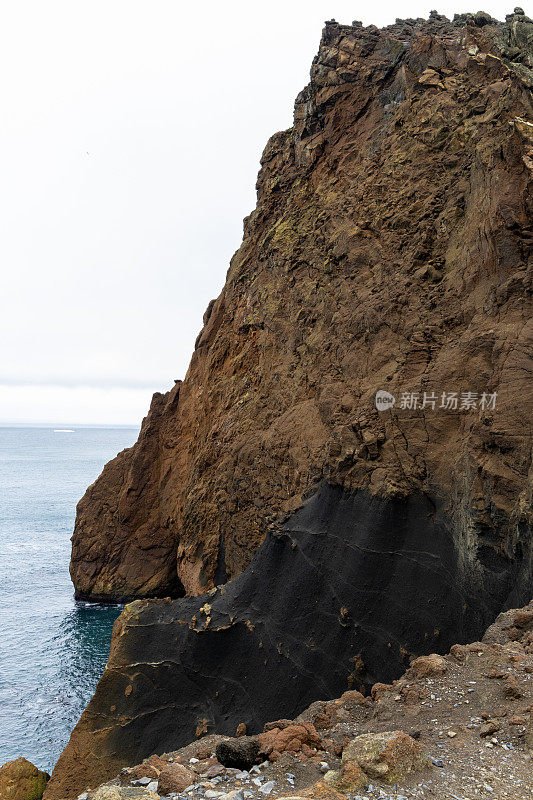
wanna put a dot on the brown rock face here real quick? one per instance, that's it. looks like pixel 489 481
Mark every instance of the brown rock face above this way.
pixel 390 250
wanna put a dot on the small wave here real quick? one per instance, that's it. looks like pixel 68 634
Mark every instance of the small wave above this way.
pixel 63 430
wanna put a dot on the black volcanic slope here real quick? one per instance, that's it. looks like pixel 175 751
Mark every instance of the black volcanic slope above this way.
pixel 340 597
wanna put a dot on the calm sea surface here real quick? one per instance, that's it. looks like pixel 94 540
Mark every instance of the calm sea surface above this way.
pixel 52 649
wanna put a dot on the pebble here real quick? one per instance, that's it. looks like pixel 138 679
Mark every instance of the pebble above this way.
pixel 267 787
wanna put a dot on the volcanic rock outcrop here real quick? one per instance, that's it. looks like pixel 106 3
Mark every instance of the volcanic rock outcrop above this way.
pixel 449 727
pixel 390 251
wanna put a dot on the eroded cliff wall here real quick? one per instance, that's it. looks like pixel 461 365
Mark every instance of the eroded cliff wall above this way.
pixel 390 250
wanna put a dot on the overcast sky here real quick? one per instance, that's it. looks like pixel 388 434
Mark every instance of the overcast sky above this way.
pixel 130 142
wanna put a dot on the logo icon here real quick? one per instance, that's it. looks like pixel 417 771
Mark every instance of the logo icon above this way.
pixel 384 400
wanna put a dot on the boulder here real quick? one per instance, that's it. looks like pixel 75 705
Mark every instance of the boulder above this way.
pixel 512 688
pixel 429 666
pixel 241 752
pixel 291 739
pixel 175 778
pixel 388 756
pixel 350 778
pixel 150 768
pixel 21 780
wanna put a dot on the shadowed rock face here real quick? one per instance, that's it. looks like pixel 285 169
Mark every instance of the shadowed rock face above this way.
pixel 390 249
pixel 341 596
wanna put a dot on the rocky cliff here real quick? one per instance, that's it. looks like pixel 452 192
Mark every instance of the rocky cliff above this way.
pixel 390 250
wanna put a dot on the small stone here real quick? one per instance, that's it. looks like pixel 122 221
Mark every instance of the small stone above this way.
pixel 529 733
pixel 489 728
pixel 123 793
pixel 215 771
pixel 512 688
pixel 267 787
pixel 452 734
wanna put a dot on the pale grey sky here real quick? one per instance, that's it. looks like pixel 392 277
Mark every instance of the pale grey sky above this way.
pixel 129 148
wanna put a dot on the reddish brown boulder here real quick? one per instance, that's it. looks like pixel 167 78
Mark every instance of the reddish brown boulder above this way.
pixel 429 666
pixel 512 688
pixel 292 739
pixel 148 769
pixel 380 690
pixel 175 778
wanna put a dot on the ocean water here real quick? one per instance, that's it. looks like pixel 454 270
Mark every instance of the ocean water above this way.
pixel 52 648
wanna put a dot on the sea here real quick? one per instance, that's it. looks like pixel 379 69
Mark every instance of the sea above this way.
pixel 53 649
